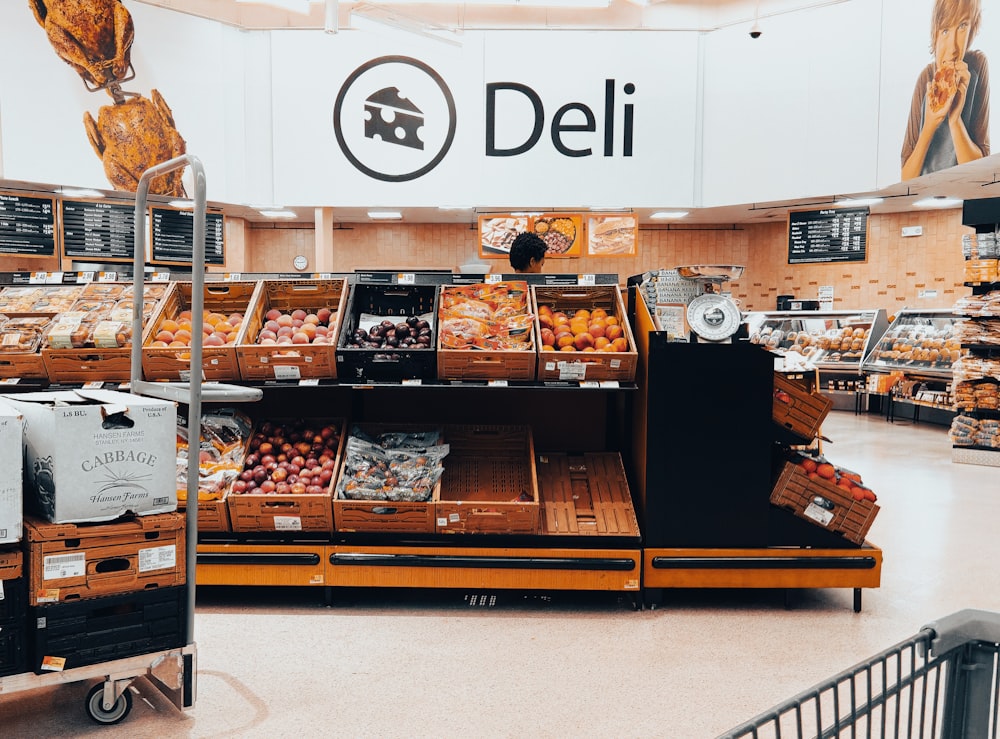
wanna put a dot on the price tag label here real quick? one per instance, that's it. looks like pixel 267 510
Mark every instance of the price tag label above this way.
pixel 125 387
pixel 497 383
pixel 325 276
pixel 10 381
pixel 412 381
pixel 93 385
pixel 161 277
pixel 586 280
pixel 590 383
pixel 107 277
pixel 286 372
pixel 609 384
pixel 37 278
pixel 54 278
pixel 572 370
pixel 309 382
pixel 84 277
pixel 231 277
pixel 406 278
pixel 492 279
pixel 287 523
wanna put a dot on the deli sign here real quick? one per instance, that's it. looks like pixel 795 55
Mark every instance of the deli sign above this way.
pixel 404 119
pixel 421 126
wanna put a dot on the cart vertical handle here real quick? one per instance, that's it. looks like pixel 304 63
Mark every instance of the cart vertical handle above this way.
pixel 197 337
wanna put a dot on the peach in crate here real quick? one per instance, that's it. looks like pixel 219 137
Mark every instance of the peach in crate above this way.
pixel 291 330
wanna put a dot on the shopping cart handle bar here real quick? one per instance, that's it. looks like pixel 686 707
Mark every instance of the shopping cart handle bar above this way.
pixel 212 393
pixel 962 627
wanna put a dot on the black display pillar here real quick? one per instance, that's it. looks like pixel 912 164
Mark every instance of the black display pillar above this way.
pixel 708 444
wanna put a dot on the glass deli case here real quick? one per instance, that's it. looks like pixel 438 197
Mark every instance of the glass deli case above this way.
pixel 918 342
pixel 834 341
pixel 828 339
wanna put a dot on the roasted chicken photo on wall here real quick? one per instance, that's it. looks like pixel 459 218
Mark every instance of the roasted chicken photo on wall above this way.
pixel 134 133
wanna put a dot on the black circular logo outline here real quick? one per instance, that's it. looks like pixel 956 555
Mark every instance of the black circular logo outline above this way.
pixel 452 118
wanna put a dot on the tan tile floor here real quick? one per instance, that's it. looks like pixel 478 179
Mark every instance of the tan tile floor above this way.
pixel 279 663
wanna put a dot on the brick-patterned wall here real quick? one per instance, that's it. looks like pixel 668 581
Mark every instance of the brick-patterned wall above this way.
pixel 896 271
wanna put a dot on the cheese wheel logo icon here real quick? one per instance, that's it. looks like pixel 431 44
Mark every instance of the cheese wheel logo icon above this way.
pixel 394 118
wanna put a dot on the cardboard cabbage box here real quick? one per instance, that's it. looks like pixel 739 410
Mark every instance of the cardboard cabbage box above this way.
pixel 95 455
pixel 11 460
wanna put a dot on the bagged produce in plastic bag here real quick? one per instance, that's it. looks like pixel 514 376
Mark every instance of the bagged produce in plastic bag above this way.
pixel 225 433
pixel 394 466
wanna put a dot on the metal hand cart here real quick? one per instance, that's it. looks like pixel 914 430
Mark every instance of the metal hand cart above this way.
pixel 172 671
pixel 942 682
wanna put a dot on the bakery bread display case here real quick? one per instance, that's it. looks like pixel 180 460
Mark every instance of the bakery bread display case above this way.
pixel 917 351
pixel 918 342
pixel 835 342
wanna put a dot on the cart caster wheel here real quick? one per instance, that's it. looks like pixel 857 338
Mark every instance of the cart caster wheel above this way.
pixel 118 711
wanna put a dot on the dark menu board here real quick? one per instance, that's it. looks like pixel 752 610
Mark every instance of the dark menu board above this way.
pixel 27 225
pixel 173 236
pixel 831 235
pixel 98 231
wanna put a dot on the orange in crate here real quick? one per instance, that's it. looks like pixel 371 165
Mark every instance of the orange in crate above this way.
pixel 166 350
pixel 823 503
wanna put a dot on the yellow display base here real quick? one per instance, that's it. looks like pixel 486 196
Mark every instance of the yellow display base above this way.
pixel 774 567
pixel 420 567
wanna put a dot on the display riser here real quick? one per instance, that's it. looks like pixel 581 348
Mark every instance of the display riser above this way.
pixel 545 568
pixel 670 568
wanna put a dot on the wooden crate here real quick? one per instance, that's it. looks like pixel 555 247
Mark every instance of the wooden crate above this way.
pixel 79 365
pixel 213 515
pixel 26 365
pixel 488 364
pixel 798 410
pixel 823 503
pixel 249 512
pixel 489 483
pixel 68 561
pixel 291 361
pixel 218 362
pixel 586 365
pixel 416 516
pixel 585 495
pixel 11 566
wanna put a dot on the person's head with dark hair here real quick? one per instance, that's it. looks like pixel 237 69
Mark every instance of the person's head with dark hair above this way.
pixel 527 253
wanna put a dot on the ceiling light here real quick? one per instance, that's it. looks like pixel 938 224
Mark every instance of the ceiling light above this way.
pixel 183 204
pixel 456 207
pixel 387 22
pixel 525 214
pixel 385 215
pixel 938 201
pixel 82 192
pixel 297 6
pixel 859 202
pixel 665 214
pixel 278 213
pixel 562 3
pixel 612 209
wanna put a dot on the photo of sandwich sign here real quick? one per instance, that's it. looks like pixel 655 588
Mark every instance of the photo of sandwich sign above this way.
pixel 612 235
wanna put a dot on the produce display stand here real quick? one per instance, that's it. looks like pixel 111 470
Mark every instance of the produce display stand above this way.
pixel 942 682
pixel 173 671
pixel 573 548
pixel 703 494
